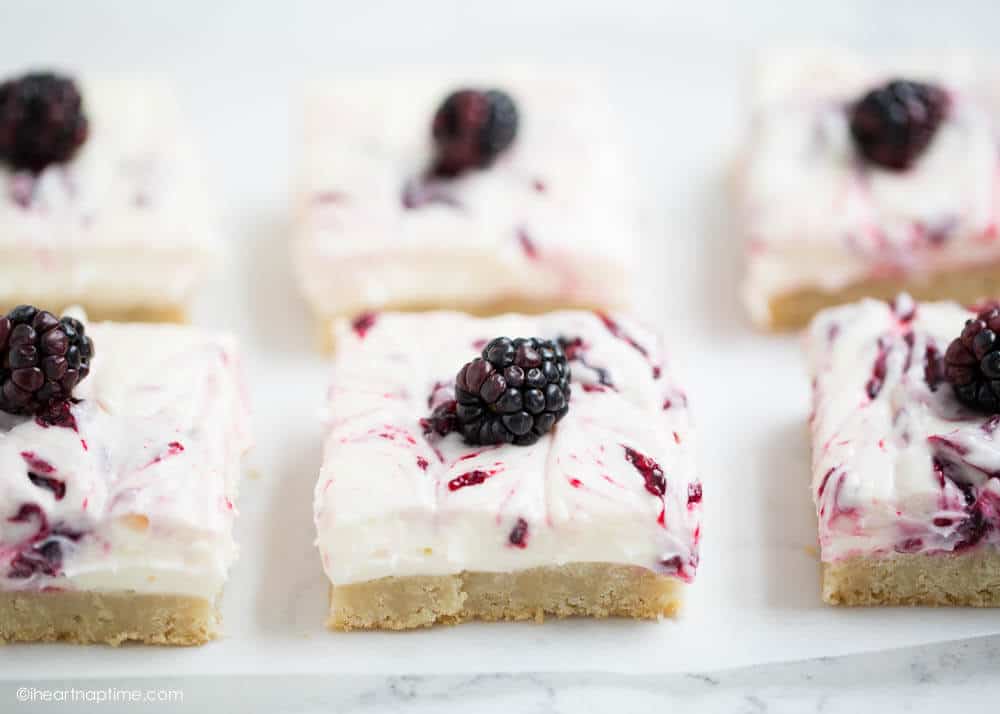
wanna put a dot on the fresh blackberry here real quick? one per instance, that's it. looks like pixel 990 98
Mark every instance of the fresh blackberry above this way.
pixel 41 121
pixel 514 393
pixel 894 123
pixel 42 358
pixel 972 362
pixel 471 128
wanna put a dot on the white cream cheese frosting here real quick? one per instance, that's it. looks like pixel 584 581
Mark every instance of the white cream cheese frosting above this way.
pixel 614 482
pixel 125 223
pixel 138 495
pixel 554 221
pixel 816 215
pixel 899 465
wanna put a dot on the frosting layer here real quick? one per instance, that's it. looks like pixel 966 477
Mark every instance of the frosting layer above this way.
pixel 140 494
pixel 125 223
pixel 899 465
pixel 552 222
pixel 614 482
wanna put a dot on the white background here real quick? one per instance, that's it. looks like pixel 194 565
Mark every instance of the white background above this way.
pixel 678 72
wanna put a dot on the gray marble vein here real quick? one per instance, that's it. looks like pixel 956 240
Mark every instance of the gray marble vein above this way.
pixel 958 676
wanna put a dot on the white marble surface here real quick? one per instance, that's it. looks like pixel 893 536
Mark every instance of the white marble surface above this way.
pixel 956 677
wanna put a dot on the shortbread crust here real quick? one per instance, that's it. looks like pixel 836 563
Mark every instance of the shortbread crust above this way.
pixel 969 579
pixel 106 618
pixel 96 312
pixel 575 589
pixel 968 286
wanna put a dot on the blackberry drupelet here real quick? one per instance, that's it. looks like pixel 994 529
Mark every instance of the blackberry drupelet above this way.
pixel 972 362
pixel 471 128
pixel 42 358
pixel 893 124
pixel 514 393
pixel 41 121
pixel 443 420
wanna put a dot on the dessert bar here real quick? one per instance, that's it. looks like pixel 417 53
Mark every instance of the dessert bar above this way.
pixel 421 193
pixel 101 199
pixel 863 179
pixel 905 463
pixel 504 468
pixel 120 450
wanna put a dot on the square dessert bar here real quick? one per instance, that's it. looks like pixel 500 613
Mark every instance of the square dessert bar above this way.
pixel 599 516
pixel 123 225
pixel 550 222
pixel 862 179
pixel 116 520
pixel 906 477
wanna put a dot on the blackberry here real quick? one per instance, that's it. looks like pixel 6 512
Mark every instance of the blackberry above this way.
pixel 471 128
pixel 41 121
pixel 514 393
pixel 894 123
pixel 972 362
pixel 42 358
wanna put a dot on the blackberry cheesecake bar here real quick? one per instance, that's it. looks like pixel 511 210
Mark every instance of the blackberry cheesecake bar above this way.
pixel 102 203
pixel 906 470
pixel 864 179
pixel 423 193
pixel 553 475
pixel 120 449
